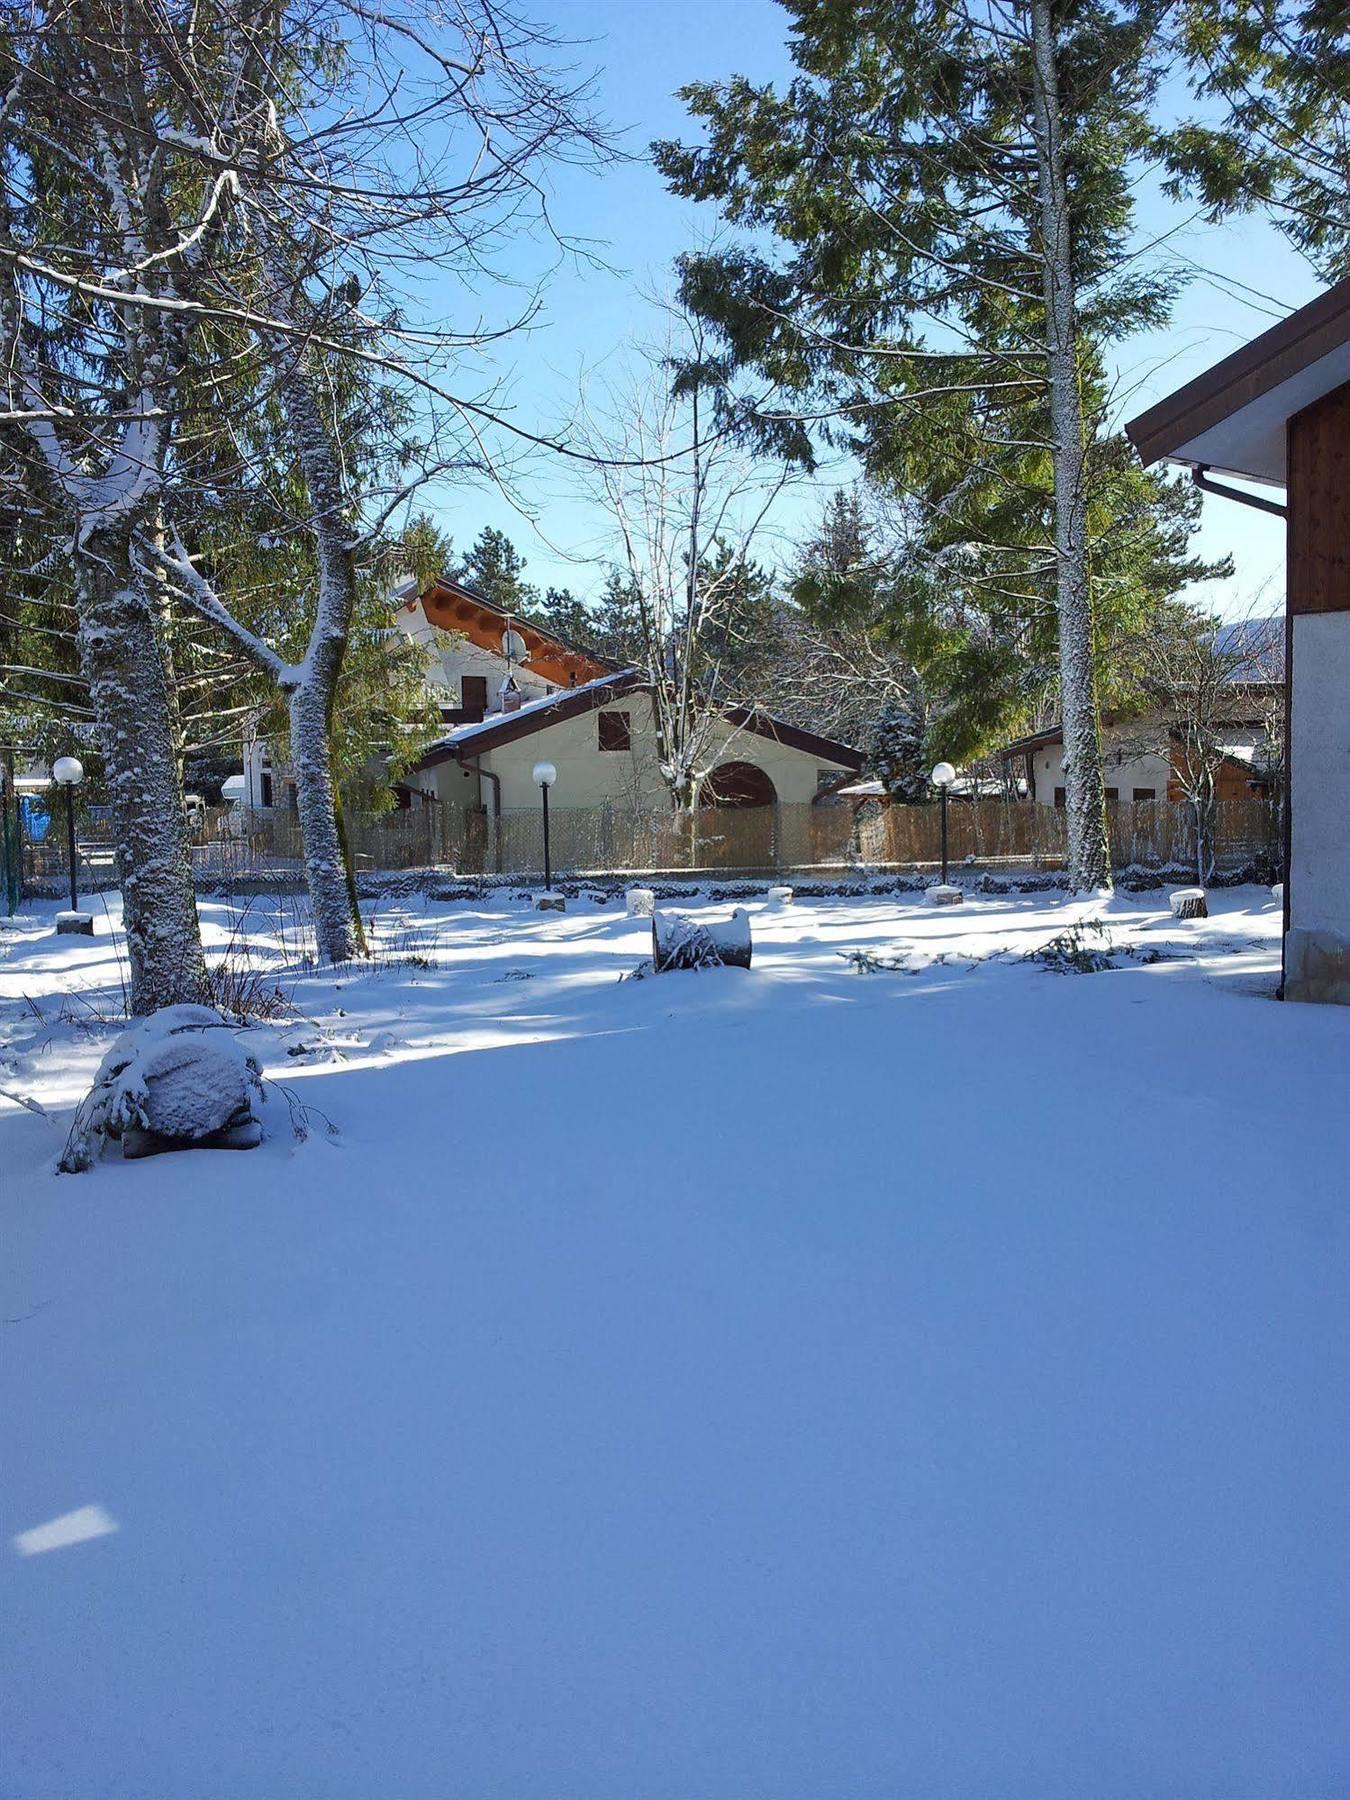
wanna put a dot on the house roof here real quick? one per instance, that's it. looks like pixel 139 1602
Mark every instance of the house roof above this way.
pixel 1233 416
pixel 534 715
pixel 454 606
pixel 538 715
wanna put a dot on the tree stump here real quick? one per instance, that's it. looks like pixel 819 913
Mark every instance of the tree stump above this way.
pixel 641 903
pixel 679 942
pixel 944 894
pixel 1188 903
pixel 779 897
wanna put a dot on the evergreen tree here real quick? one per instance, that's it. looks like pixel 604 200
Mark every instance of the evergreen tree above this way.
pixel 494 568
pixel 1279 72
pixel 951 186
pixel 898 752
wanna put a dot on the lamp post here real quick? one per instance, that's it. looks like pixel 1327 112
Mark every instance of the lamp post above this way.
pixel 545 775
pixel 68 773
pixel 942 778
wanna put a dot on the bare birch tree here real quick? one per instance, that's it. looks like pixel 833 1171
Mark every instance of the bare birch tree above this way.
pixel 286 175
pixel 1215 696
pixel 686 504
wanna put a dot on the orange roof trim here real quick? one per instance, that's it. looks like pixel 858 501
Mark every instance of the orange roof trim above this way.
pixel 454 607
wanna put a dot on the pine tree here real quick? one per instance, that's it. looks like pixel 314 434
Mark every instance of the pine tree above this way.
pixel 898 751
pixel 494 568
pixel 951 185
pixel 1279 71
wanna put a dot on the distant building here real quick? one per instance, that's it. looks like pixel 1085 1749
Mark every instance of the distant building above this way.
pixel 1140 755
pixel 515 695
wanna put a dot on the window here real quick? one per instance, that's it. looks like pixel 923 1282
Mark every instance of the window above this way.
pixel 1059 797
pixel 616 730
pixel 1113 793
pixel 1141 794
pixel 265 789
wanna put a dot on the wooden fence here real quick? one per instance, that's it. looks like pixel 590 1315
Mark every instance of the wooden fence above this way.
pixel 599 840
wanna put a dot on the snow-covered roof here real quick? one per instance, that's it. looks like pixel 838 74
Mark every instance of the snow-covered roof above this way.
pixel 533 709
pixel 1259 643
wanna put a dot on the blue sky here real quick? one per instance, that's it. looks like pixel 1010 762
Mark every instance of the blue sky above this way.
pixel 643 50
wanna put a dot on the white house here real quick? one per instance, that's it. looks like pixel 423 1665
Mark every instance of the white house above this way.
pixel 1139 755
pixel 516 695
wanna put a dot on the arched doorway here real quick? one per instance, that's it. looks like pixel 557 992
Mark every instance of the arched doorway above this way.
pixel 738 784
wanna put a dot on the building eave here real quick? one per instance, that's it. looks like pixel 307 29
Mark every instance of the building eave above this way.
pixel 1233 416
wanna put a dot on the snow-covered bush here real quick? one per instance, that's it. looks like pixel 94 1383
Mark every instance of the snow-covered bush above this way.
pixel 178 1077
pixel 898 753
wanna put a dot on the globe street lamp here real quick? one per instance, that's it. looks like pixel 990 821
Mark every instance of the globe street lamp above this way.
pixel 545 775
pixel 942 778
pixel 68 773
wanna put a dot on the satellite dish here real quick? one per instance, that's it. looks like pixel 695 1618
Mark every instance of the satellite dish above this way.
pixel 514 648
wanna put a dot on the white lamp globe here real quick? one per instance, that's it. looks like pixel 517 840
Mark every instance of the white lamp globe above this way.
pixel 943 775
pixel 544 774
pixel 68 770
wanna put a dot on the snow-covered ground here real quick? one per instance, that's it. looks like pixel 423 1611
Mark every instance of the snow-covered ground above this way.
pixel 801 1384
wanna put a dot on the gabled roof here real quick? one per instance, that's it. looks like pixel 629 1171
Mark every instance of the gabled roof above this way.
pixel 454 606
pixel 1233 416
pixel 535 715
pixel 538 715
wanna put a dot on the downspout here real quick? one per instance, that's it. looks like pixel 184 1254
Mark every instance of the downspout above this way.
pixel 496 780
pixel 1200 476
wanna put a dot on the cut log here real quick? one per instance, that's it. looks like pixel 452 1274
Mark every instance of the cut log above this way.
pixel 551 903
pixel 641 903
pixel 778 897
pixel 1188 903
pixel 943 895
pixel 679 942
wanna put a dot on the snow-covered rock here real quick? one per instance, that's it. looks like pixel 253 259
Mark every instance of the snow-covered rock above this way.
pixel 180 1076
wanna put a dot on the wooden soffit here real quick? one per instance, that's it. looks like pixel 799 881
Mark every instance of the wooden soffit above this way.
pixel 452 607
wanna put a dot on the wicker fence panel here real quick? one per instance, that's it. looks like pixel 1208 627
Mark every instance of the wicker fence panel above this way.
pixel 595 840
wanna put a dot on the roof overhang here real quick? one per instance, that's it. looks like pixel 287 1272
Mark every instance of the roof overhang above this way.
pixel 1234 416
pixel 453 606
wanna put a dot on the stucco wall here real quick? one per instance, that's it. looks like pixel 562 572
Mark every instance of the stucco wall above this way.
pixel 452 656
pixel 1125 769
pixel 589 776
pixel 1317 953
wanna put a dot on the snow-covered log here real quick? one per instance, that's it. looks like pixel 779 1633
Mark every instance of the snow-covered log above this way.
pixel 778 897
pixel 176 1080
pixel 641 903
pixel 1188 903
pixel 679 942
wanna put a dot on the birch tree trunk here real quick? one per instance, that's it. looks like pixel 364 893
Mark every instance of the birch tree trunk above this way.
pixel 332 895
pixel 1084 789
pixel 123 661
pixel 337 923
